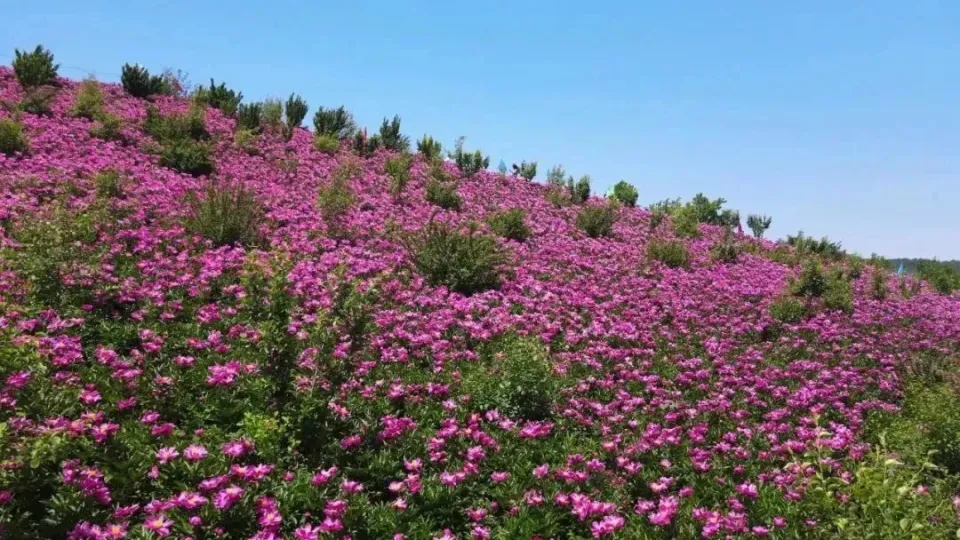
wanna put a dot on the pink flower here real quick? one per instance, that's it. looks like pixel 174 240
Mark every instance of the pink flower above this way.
pixel 167 454
pixel 500 476
pixel 194 452
pixel 158 524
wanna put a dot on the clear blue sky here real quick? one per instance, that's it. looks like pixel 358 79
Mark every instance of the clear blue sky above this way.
pixel 837 117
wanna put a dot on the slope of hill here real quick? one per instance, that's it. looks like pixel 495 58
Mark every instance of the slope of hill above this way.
pixel 321 376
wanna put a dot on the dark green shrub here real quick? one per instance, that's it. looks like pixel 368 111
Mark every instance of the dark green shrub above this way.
pixel 727 250
pixel 878 284
pixel 443 194
pixel 227 215
pixel 186 156
pixel 271 116
pixel 295 110
pixel 430 148
pixel 38 100
pixel 219 97
pixel 336 199
pixel 108 128
pixel 108 184
pixel 469 163
pixel 12 138
pixel 672 253
pixel 35 68
pixel 527 171
pixel 398 168
pixel 89 101
pixel 788 309
pixel 513 377
pixel 465 262
pixel 812 282
pixel 390 136
pixel 579 192
pixel 941 276
pixel 758 224
pixel 249 116
pixel 326 144
pixel 597 221
pixel 365 146
pixel 176 127
pixel 824 247
pixel 839 294
pixel 625 193
pixel 337 123
pixel 685 223
pixel 510 224
pixel 138 82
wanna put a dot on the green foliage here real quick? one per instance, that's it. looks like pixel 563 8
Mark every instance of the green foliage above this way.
pixel 558 196
pixel 38 100
pixel 579 191
pixel 855 264
pixel 812 281
pixel 12 138
pixel 246 140
pixel 528 171
pixel 711 212
pixel 138 82
pixel 108 128
pixel 943 277
pixel 181 139
pixel 878 284
pixel 430 148
pixel 513 377
pixel 510 224
pixel 271 115
pixel 443 194
pixel 295 110
pixel 839 294
pixel 932 408
pixel 727 250
pixel 219 97
pixel 597 221
pixel 624 192
pixel 337 123
pixel 469 163
pixel 336 198
pixel 824 247
pixel 686 223
pixel 35 68
pixel 788 309
pixel 661 210
pixel 365 146
pixel 108 184
pixel 226 215
pixel 759 224
pixel 390 136
pixel 398 168
pixel 326 144
pixel 186 156
pixel 89 101
pixel 249 116
pixel 465 262
pixel 557 177
pixel 672 253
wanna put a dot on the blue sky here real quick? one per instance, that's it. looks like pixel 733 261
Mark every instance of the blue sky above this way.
pixel 838 118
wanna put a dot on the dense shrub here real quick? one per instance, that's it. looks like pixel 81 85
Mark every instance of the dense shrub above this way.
pixel 466 262
pixel 12 138
pixel 249 116
pixel 89 101
pixel 838 294
pixel 878 284
pixel 430 148
pixel 295 111
pixel 625 193
pixel 226 215
pixel 398 168
pixel 336 198
pixel 390 136
pixel 271 116
pixel 510 224
pixel 108 128
pixel 579 191
pixel 364 146
pixel 246 140
pixel 527 171
pixel 107 184
pixel 557 196
pixel 327 144
pixel 186 156
pixel 597 221
pixel 686 223
pixel 855 265
pixel 337 123
pixel 727 250
pixel 788 309
pixel 220 97
pixel 941 276
pixel 138 82
pixel 557 177
pixel 176 127
pixel 35 68
pixel 443 194
pixel 672 253
pixel 38 100
pixel 812 281
pixel 824 247
pixel 758 224
pixel 468 163
pixel 514 378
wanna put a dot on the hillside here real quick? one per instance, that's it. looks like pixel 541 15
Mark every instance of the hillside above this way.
pixel 289 342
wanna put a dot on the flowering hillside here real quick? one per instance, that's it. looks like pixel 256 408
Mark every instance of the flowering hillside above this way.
pixel 268 333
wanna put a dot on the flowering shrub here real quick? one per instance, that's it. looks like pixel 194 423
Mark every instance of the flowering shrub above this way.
pixel 383 369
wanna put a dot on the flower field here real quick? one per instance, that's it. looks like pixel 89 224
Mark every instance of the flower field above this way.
pixel 291 341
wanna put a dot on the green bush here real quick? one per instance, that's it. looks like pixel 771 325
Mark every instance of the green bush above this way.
pixel 527 171
pixel 12 138
pixel 510 224
pixel 465 262
pixel 788 309
pixel 685 223
pixel 108 129
pixel 513 377
pixel 941 276
pixel 758 224
pixel 469 163
pixel 219 97
pixel 186 156
pixel 878 284
pixel 579 191
pixel 38 100
pixel 398 168
pixel 226 215
pixel 271 116
pixel 249 116
pixel 443 194
pixel 246 140
pixel 430 148
pixel 625 193
pixel 855 264
pixel 557 177
pixel 138 82
pixel 337 123
pixel 727 250
pixel 805 245
pixel 326 144
pixel 597 221
pixel 557 196
pixel 390 136
pixel 295 111
pixel 35 68
pixel 672 253
pixel 336 199
pixel 89 101
pixel 839 294
pixel 176 127
pixel 812 282
pixel 108 184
